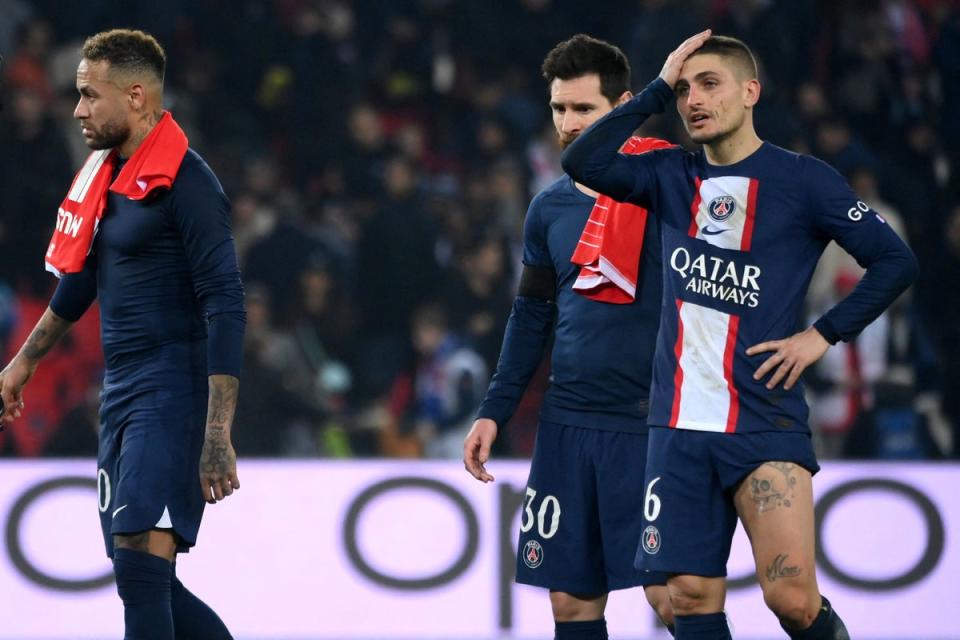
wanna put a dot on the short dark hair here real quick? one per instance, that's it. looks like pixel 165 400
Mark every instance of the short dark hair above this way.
pixel 127 50
pixel 582 55
pixel 731 49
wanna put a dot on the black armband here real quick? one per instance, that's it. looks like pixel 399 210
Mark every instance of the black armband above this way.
pixel 538 282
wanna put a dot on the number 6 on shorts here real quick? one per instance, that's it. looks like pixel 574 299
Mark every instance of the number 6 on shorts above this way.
pixel 651 502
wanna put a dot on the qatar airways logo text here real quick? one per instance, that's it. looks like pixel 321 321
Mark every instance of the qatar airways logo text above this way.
pixel 717 278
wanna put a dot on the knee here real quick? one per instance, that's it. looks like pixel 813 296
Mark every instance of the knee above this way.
pixel 659 599
pixel 694 595
pixel 795 607
pixel 568 607
pixel 141 577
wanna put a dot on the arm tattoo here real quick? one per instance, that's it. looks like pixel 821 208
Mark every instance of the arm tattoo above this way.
pixel 778 570
pixel 770 491
pixel 217 459
pixel 222 403
pixel 44 336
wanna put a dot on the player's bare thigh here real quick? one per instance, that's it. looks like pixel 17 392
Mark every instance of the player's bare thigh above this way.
pixel 775 505
pixel 157 542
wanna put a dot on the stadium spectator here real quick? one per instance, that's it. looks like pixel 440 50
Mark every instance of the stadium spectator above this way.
pixel 300 107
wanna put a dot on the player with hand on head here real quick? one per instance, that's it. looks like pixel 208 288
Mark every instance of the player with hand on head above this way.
pixel 583 505
pixel 744 223
pixel 145 228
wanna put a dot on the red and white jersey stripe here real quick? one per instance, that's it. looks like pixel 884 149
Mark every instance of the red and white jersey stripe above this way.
pixel 705 396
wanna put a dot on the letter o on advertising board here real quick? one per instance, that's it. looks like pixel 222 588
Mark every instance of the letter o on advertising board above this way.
pixel 451 573
pixel 15 547
pixel 933 549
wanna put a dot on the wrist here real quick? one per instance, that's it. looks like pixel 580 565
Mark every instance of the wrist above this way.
pixel 825 329
pixel 25 360
pixel 217 432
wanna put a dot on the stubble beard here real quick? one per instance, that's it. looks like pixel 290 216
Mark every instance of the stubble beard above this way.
pixel 709 138
pixel 717 137
pixel 109 136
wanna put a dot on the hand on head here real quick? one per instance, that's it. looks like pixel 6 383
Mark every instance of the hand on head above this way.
pixel 671 68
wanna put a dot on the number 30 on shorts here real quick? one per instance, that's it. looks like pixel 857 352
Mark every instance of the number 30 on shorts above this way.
pixel 651 502
pixel 528 519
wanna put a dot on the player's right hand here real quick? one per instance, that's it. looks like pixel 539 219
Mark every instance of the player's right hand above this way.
pixel 671 68
pixel 12 380
pixel 476 448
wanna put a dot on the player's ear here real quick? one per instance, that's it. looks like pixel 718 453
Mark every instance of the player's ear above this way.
pixel 136 96
pixel 624 97
pixel 751 92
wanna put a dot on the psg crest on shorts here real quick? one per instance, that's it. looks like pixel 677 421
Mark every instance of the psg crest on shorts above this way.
pixel 722 207
pixel 651 539
pixel 532 554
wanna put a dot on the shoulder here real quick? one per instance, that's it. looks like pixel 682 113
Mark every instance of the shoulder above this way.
pixel 805 166
pixel 561 191
pixel 196 174
pixel 816 170
pixel 560 188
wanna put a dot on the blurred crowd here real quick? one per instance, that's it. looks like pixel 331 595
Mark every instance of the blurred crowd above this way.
pixel 380 157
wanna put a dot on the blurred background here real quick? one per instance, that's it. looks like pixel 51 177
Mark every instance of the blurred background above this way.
pixel 380 156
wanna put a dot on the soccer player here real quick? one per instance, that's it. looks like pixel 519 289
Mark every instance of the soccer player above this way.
pixel 743 225
pixel 582 512
pixel 145 228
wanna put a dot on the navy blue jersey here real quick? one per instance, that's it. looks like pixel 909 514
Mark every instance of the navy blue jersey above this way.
pixel 165 272
pixel 602 352
pixel 740 244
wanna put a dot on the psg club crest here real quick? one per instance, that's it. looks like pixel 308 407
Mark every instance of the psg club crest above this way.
pixel 722 207
pixel 532 554
pixel 651 540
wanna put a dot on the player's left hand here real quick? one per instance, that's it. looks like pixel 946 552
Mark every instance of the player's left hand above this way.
pixel 791 357
pixel 218 468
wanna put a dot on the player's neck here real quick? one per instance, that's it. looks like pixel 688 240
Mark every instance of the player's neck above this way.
pixel 586 190
pixel 734 148
pixel 139 130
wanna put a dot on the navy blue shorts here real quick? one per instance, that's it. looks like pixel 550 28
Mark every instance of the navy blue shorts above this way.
pixel 689 514
pixel 152 417
pixel 582 513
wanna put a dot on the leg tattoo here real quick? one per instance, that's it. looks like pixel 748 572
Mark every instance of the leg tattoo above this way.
pixel 771 491
pixel 779 570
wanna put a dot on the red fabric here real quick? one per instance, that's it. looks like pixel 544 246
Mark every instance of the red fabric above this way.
pixel 728 353
pixel 72 369
pixel 678 374
pixel 609 248
pixel 154 165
